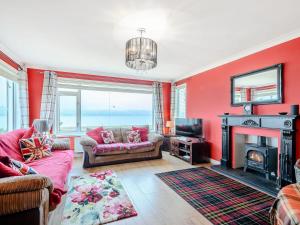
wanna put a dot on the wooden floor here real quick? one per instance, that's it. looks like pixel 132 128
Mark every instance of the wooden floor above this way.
pixel 154 201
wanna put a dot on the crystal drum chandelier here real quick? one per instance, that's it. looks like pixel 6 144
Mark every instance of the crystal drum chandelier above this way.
pixel 141 53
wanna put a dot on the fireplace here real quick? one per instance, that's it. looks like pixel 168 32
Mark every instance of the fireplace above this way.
pixel 258 157
pixel 261 158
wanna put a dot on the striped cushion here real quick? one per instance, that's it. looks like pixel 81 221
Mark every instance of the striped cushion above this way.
pixel 286 208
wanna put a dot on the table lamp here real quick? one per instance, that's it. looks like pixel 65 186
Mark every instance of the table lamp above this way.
pixel 41 126
pixel 170 125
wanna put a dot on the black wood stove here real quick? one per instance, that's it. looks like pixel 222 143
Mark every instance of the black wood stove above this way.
pixel 261 158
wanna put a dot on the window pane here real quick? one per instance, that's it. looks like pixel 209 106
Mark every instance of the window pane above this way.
pixel 3 105
pixel 67 113
pixel 17 109
pixel 130 109
pixel 94 109
pixel 181 102
pixel 105 108
pixel 10 105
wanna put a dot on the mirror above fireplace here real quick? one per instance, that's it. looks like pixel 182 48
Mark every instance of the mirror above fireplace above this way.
pixel 262 86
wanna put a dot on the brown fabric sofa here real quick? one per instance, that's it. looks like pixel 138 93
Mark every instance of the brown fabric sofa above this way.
pixel 26 200
pixel 92 159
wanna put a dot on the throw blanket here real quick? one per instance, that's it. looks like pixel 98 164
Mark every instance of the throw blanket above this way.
pixel 286 208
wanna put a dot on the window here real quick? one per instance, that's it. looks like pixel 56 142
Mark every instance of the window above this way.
pixel 9 107
pixel 180 101
pixel 86 107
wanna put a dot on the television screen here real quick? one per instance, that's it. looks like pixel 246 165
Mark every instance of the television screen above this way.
pixel 188 127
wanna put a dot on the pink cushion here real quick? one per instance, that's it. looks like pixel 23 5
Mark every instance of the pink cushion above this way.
pixel 28 133
pixel 144 131
pixel 9 144
pixel 96 135
pixel 6 171
pixel 109 149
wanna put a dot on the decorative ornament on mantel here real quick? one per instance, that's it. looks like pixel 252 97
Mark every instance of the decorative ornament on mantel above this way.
pixel 141 52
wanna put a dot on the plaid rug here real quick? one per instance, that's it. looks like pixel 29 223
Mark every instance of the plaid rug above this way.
pixel 220 199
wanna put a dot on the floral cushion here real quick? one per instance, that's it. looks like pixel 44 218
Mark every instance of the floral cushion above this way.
pixel 107 136
pixel 133 136
pixel 144 131
pixel 35 148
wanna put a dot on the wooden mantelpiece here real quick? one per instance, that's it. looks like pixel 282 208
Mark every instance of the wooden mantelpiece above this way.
pixel 287 126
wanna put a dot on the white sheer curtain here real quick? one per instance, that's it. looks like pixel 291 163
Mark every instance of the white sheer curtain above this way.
pixel 49 97
pixel 158 107
pixel 23 98
pixel 172 107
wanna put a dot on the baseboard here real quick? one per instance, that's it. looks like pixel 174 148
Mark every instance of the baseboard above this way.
pixel 214 162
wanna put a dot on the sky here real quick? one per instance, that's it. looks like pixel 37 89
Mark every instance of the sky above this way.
pixel 102 100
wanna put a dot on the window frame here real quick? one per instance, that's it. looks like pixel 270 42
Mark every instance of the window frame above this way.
pixel 11 98
pixel 78 105
pixel 177 109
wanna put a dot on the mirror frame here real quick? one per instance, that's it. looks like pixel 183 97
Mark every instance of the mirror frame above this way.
pixel 279 68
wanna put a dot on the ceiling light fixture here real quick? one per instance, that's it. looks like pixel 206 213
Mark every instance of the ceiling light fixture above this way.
pixel 141 53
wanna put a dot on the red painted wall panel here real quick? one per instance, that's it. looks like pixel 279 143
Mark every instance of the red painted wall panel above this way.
pixel 208 93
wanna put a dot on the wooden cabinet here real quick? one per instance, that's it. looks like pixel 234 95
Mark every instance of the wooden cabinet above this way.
pixel 192 150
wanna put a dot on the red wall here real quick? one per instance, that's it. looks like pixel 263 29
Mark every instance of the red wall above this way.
pixel 208 93
pixel 8 60
pixel 35 86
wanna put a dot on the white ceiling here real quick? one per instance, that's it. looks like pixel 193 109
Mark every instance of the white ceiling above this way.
pixel 192 35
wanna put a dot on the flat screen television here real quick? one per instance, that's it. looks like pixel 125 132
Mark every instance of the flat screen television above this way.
pixel 188 127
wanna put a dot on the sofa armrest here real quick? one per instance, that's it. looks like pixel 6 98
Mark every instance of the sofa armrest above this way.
pixel 16 184
pixel 154 138
pixel 61 144
pixel 88 141
pixel 22 193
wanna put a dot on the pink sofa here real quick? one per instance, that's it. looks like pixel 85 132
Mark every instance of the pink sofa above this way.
pixel 53 172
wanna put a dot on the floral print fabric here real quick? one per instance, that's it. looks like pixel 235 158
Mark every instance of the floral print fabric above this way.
pixel 133 136
pixel 108 136
pixel 96 198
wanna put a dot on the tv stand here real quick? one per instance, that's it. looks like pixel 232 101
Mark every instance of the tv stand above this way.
pixel 190 149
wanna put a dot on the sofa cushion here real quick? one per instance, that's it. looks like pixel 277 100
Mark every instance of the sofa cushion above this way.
pixel 133 136
pixel 22 167
pixel 109 149
pixel 145 146
pixel 9 144
pixel 35 148
pixel 6 171
pixel 108 136
pixel 117 133
pixel 95 134
pixel 124 132
pixel 144 131
pixel 28 133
